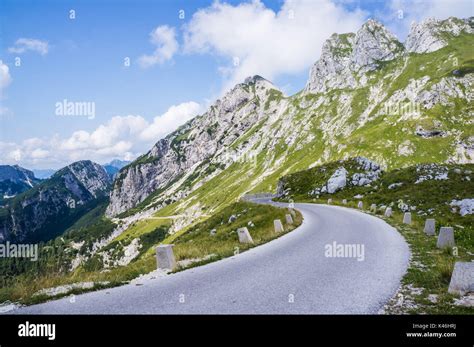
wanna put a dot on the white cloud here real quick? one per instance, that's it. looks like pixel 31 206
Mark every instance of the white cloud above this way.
pixel 23 44
pixel 169 121
pixel 265 42
pixel 417 10
pixel 5 77
pixel 40 153
pixel 123 137
pixel 106 135
pixel 164 38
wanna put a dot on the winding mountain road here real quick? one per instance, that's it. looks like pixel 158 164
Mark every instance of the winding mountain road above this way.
pixel 289 275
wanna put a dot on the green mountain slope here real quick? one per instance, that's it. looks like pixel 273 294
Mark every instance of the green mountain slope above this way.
pixel 399 111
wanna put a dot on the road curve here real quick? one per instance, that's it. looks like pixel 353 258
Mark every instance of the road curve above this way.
pixel 289 275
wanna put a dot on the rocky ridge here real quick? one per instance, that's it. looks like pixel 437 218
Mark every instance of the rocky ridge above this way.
pixel 345 94
pixel 49 207
pixel 176 156
pixel 430 35
pixel 15 180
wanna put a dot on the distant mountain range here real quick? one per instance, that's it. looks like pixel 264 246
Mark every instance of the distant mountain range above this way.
pixel 15 180
pixel 32 206
pixel 43 173
pixel 52 205
pixel 114 166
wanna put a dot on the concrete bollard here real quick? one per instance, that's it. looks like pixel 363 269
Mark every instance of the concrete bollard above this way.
pixel 445 237
pixel 429 227
pixel 289 219
pixel 360 205
pixel 407 218
pixel 462 279
pixel 329 201
pixel 165 257
pixel 373 208
pixel 278 226
pixel 244 235
pixel 293 213
pixel 344 201
pixel 388 212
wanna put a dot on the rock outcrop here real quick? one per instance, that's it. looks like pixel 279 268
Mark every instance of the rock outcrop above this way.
pixel 337 181
pixel 431 34
pixel 373 44
pixel 174 157
pixel 345 57
pixel 358 171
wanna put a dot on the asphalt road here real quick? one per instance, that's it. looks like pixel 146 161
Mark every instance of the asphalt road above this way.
pixel 289 275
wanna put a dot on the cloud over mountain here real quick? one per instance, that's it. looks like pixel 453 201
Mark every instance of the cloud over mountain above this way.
pixel 257 40
pixel 120 137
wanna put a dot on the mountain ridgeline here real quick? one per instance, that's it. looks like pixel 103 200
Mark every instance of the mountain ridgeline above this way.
pixel 51 206
pixel 370 95
pixel 15 180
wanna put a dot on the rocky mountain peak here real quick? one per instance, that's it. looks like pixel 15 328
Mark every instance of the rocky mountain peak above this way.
pixel 196 142
pixel 431 35
pixel 254 79
pixel 15 180
pixel 344 55
pixel 17 173
pixel 259 82
pixel 253 86
pixel 92 175
pixel 51 206
pixel 335 59
pixel 374 43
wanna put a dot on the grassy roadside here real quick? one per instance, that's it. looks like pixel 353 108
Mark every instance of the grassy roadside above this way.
pixel 193 247
pixel 198 243
pixel 23 290
pixel 427 190
pixel 424 288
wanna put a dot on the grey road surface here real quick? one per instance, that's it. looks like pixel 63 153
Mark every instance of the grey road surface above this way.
pixel 289 275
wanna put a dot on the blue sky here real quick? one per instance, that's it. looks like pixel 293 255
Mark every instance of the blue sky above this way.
pixel 192 64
